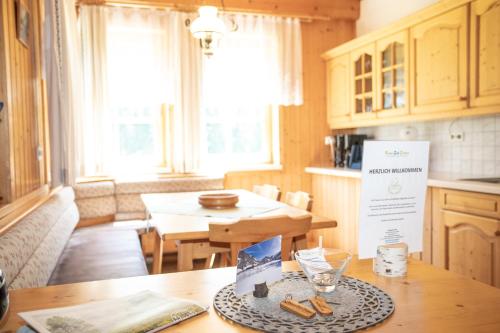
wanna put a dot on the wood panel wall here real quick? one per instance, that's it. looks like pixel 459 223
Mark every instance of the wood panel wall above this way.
pixel 21 121
pixel 303 128
pixel 4 124
pixel 337 198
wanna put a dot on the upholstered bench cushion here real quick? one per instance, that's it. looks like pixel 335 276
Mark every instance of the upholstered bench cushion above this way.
pixel 29 250
pixel 97 253
pixel 94 189
pixel 95 199
pixel 129 203
pixel 96 207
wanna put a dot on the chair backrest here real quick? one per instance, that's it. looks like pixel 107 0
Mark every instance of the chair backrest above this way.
pixel 299 199
pixel 269 191
pixel 252 230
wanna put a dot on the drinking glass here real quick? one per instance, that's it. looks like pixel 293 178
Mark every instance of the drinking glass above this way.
pixel 323 266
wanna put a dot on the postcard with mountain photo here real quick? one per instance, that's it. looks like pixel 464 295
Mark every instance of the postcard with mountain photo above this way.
pixel 257 264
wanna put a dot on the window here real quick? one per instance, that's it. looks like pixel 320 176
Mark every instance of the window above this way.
pixel 155 102
pixel 242 83
pixel 239 137
pixel 138 136
pixel 137 81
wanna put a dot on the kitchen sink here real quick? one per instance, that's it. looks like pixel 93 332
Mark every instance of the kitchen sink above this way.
pixel 495 180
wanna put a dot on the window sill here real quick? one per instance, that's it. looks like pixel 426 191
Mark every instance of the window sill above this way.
pixel 161 174
pixel 145 176
pixel 261 167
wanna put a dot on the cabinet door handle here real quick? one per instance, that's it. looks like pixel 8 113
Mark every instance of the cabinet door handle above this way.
pixel 463 98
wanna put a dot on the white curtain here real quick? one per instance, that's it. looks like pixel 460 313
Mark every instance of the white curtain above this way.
pixel 65 92
pixel 136 58
pixel 186 69
pixel 143 57
pixel 97 114
pixel 260 63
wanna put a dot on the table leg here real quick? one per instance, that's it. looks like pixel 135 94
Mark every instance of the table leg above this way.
pixel 184 256
pixel 157 255
pixel 300 242
pixel 286 248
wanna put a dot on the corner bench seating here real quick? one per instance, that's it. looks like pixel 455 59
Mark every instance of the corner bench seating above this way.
pixel 119 200
pixel 45 247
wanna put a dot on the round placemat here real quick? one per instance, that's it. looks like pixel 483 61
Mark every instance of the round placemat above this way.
pixel 356 305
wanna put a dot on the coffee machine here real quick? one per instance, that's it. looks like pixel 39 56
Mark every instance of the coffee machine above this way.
pixel 349 150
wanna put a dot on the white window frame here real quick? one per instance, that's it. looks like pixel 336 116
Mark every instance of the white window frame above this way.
pixel 273 143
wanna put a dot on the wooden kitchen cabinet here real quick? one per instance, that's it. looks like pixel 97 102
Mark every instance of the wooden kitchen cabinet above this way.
pixel 338 105
pixel 485 53
pixel 472 246
pixel 392 75
pixel 442 62
pixel 466 234
pixel 439 63
pixel 480 204
pixel 363 83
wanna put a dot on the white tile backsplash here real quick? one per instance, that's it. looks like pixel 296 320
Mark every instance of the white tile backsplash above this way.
pixel 477 155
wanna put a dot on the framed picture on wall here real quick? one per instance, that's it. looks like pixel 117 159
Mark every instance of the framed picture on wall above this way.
pixel 22 22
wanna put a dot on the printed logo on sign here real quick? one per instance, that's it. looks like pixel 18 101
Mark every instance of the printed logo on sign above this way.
pixel 396 153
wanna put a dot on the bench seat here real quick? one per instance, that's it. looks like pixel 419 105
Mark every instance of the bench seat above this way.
pixel 100 253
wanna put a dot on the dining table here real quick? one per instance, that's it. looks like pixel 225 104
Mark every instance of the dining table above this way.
pixel 428 299
pixel 178 216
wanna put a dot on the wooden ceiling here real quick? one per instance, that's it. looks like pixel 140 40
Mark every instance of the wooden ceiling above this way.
pixel 329 9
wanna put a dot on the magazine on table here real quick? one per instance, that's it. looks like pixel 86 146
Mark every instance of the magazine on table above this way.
pixel 143 312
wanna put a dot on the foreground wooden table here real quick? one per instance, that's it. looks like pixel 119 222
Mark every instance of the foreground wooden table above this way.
pixel 189 230
pixel 429 299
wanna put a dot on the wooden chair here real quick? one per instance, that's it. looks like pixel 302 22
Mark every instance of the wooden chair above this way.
pixel 246 231
pixel 269 191
pixel 299 199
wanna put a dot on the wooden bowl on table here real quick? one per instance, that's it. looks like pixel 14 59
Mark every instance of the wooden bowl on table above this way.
pixel 218 200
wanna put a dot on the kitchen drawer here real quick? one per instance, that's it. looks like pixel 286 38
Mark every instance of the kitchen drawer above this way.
pixel 470 202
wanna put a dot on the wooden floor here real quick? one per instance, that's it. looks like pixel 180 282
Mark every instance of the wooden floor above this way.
pixel 170 263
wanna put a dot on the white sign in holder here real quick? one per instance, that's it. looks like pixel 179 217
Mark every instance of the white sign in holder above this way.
pixel 393 188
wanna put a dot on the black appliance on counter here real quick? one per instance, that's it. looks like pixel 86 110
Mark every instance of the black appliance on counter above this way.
pixel 349 150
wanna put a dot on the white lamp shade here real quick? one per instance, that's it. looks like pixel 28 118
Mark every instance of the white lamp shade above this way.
pixel 207 24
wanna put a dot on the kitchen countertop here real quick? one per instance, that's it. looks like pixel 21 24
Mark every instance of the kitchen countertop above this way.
pixel 444 180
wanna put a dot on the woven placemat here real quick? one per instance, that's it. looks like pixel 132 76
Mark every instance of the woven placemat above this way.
pixel 356 305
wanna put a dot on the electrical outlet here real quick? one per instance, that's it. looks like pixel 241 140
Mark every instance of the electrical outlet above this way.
pixel 329 140
pixel 457 136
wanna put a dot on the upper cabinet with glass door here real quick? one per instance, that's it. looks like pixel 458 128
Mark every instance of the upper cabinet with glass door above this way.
pixel 392 75
pixel 363 82
pixel 442 62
